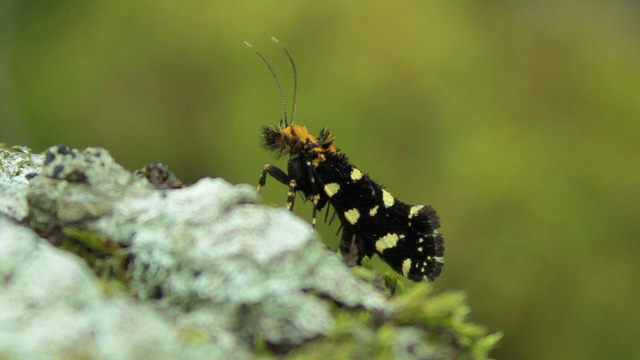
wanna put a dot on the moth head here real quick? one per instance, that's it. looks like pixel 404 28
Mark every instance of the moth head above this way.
pixel 290 140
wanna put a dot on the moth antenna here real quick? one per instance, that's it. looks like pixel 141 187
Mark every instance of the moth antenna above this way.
pixel 275 77
pixel 295 78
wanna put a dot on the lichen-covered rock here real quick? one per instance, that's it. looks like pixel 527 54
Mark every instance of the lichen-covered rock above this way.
pixel 200 271
pixel 17 163
pixel 208 245
pixel 206 256
pixel 52 306
pixel 76 186
pixel 17 167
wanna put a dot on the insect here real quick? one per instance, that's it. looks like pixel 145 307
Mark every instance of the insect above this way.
pixel 372 220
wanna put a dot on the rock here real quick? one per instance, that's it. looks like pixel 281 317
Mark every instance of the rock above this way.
pixel 214 270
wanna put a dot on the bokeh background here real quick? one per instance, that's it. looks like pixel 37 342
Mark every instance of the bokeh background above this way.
pixel 519 121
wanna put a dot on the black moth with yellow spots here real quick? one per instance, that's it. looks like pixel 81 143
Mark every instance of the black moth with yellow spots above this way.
pixel 373 221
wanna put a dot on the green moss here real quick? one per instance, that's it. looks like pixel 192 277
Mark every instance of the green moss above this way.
pixel 394 284
pixel 390 283
pixel 421 326
pixel 107 259
pixel 444 316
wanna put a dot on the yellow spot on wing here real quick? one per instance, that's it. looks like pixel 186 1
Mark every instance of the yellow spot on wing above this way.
pixel 387 199
pixel 373 211
pixel 331 189
pixel 406 266
pixel 352 216
pixel 414 210
pixel 356 174
pixel 386 242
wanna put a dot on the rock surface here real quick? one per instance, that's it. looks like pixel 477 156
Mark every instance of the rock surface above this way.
pixel 211 271
pixel 97 262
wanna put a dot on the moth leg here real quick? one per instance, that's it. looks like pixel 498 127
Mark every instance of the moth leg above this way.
pixel 315 195
pixel 291 194
pixel 275 173
pixel 311 170
pixel 351 254
pixel 281 176
pixel 314 217
pixel 326 215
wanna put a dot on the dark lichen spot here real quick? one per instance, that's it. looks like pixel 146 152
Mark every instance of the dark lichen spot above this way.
pixel 57 170
pixel 160 176
pixel 76 176
pixel 63 150
pixel 156 293
pixel 49 158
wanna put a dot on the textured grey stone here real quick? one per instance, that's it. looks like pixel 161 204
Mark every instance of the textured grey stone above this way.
pixel 15 164
pixel 76 186
pixel 51 306
pixel 208 262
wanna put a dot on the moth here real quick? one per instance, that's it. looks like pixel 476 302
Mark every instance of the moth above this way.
pixel 372 220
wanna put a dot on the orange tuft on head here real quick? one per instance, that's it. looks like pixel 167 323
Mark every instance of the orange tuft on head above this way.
pixel 295 134
pixel 295 139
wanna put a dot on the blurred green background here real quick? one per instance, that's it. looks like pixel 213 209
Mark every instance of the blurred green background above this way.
pixel 519 121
